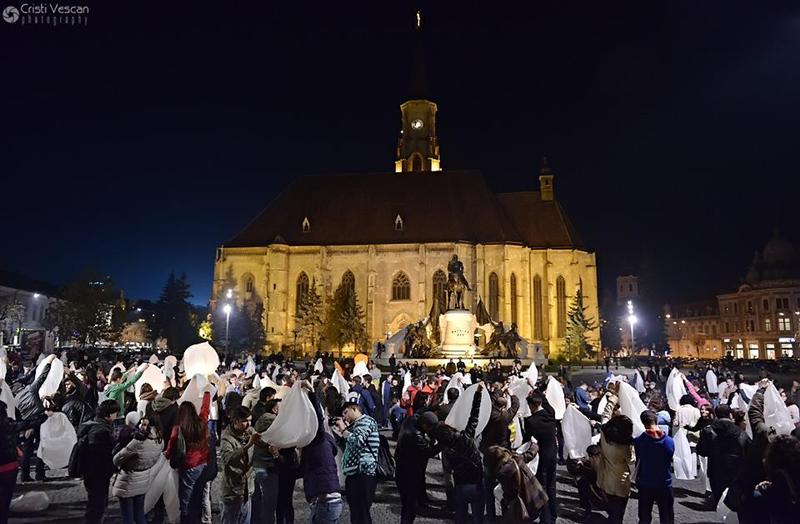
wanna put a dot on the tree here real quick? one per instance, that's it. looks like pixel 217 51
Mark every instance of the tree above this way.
pixel 344 320
pixel 12 314
pixel 610 335
pixel 578 325
pixel 174 314
pixel 309 316
pixel 89 312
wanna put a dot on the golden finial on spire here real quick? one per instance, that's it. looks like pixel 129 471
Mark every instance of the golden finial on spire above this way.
pixel 419 20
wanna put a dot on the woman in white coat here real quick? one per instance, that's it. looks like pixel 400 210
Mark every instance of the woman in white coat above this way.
pixel 135 461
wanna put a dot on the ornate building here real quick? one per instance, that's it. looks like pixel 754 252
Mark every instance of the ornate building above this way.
pixel 758 321
pixel 390 236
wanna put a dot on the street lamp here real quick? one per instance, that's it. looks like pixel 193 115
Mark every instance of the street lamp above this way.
pixel 632 320
pixel 227 309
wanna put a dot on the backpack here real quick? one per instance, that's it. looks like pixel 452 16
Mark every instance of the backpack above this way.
pixel 78 454
pixel 178 457
pixel 386 468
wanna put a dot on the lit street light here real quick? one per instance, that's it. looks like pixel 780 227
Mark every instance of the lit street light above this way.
pixel 631 320
pixel 227 309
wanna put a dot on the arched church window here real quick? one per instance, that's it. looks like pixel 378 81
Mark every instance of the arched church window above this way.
pixel 301 289
pixel 401 287
pixel 513 298
pixel 349 280
pixel 537 308
pixel 306 225
pixel 440 288
pixel 494 297
pixel 248 283
pixel 561 307
pixel 398 223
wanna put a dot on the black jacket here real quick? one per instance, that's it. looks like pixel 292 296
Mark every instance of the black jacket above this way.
pixel 28 403
pixel 725 444
pixel 9 434
pixel 99 461
pixel 413 450
pixel 542 426
pixel 75 407
pixel 497 432
pixel 461 452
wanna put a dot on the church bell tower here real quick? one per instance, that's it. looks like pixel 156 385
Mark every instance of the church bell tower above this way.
pixel 417 146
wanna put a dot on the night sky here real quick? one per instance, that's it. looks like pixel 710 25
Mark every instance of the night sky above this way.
pixel 138 144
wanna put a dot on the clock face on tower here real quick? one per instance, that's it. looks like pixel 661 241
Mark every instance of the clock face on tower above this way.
pixel 416 124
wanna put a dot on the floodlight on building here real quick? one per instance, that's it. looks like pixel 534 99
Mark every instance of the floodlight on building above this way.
pixel 36 295
pixel 230 293
pixel 226 309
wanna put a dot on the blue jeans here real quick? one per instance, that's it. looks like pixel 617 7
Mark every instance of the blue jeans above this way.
pixel 469 495
pixel 132 509
pixel 265 497
pixel 190 494
pixel 326 512
pixel 236 512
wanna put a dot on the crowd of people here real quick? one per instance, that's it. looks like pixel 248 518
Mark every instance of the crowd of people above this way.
pixel 497 434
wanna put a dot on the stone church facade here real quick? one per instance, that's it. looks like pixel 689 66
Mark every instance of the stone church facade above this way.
pixel 390 236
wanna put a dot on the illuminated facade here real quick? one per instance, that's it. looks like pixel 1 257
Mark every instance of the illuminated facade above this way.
pixel 390 236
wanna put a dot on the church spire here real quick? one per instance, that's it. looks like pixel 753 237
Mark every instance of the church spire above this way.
pixel 418 146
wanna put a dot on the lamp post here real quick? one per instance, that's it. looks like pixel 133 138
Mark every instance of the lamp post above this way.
pixel 631 320
pixel 227 309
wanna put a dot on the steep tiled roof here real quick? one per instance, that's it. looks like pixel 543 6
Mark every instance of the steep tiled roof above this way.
pixel 435 207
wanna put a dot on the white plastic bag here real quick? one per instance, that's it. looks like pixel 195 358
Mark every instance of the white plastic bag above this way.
pixel 521 389
pixel 459 413
pixel 163 481
pixel 555 396
pixel 684 461
pixel 54 377
pixel 341 385
pixel 675 389
pixel 638 381
pixel 726 514
pixel 153 359
pixel 318 367
pixel 532 374
pixel 30 502
pixel 56 440
pixel 200 359
pixel 8 397
pixel 250 367
pixel 631 406
pixel 3 369
pixel 406 384
pixel 153 376
pixel 577 430
pixel 711 382
pixel 296 424
pixel 776 414
pixel 360 369
pixel 194 392
pixel 454 383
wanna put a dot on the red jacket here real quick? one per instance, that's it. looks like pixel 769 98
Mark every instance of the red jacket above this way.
pixel 196 454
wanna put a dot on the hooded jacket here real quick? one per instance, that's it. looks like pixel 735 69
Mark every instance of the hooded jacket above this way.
pixel 725 444
pixel 237 474
pixel 135 461
pixel 497 431
pixel 654 451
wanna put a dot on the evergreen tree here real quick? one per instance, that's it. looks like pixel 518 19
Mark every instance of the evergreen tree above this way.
pixel 309 316
pixel 174 314
pixel 578 325
pixel 344 321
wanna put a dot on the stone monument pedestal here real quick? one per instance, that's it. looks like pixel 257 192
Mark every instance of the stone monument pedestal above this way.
pixel 457 327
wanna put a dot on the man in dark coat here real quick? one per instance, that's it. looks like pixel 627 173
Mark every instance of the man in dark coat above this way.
pixel 75 407
pixel 29 405
pixel 497 433
pixel 98 465
pixel 542 425
pixel 411 459
pixel 725 444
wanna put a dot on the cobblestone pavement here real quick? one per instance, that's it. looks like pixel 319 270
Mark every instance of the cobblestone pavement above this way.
pixel 68 498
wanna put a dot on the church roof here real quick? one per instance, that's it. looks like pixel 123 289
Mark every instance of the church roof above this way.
pixel 445 206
